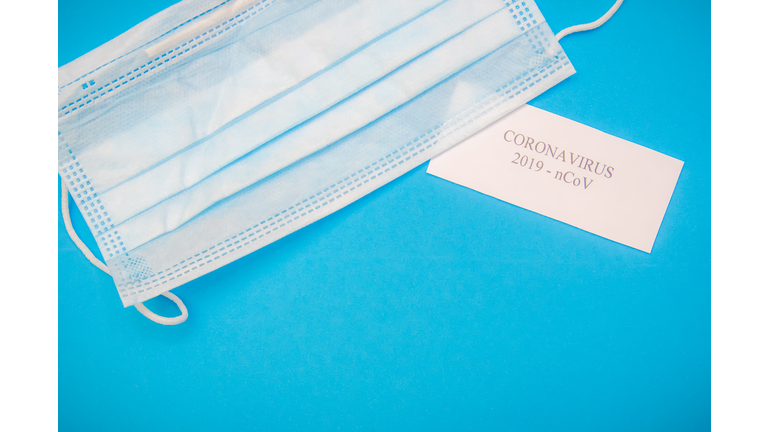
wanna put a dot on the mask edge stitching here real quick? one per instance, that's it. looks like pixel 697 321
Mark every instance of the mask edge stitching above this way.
pixel 215 250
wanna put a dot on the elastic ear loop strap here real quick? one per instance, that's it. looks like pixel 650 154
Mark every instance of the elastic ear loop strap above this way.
pixel 590 26
pixel 89 255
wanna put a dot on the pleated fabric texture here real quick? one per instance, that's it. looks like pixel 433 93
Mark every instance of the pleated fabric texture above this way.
pixel 215 128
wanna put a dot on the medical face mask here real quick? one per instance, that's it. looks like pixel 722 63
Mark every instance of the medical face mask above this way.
pixel 213 128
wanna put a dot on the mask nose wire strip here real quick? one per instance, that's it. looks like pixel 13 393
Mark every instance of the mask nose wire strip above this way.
pixel 593 25
pixel 188 33
pixel 92 258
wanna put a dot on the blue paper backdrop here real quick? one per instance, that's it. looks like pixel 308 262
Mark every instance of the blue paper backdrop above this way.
pixel 425 305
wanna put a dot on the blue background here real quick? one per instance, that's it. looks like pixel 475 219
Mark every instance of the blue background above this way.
pixel 425 305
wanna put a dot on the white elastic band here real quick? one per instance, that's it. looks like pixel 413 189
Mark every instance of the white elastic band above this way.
pixel 95 261
pixel 165 320
pixel 68 223
pixel 592 25
pixel 192 30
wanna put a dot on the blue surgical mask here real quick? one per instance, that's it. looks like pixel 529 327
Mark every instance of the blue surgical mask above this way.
pixel 214 129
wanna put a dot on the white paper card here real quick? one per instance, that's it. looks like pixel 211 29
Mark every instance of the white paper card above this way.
pixel 567 171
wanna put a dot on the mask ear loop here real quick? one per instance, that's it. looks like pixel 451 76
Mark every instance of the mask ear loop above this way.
pixel 584 27
pixel 92 258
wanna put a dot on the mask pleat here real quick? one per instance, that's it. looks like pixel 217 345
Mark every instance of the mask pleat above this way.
pixel 231 132
pixel 351 167
pixel 121 63
pixel 380 63
pixel 166 113
pixel 352 114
